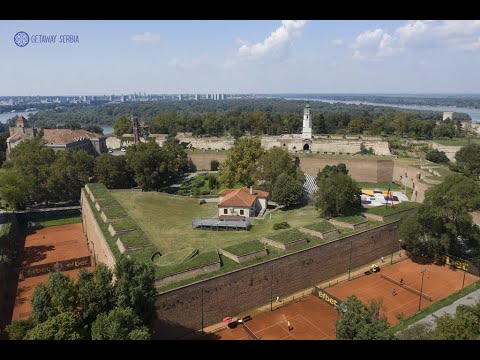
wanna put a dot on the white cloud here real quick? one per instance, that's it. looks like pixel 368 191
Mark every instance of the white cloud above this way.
pixel 146 37
pixel 275 46
pixel 337 42
pixel 453 35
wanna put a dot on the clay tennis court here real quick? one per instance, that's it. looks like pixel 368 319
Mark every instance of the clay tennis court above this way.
pixel 439 281
pixel 49 245
pixel 311 319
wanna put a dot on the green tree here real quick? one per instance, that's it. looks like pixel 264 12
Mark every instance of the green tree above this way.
pixel 119 324
pixel 329 170
pixel 417 331
pixel 70 171
pixel 122 126
pixel 445 129
pixel 113 171
pixel 58 295
pixel 176 158
pixel 337 194
pixel 274 162
pixel 443 222
pixel 64 326
pixel 356 126
pixel 287 190
pixel 462 326
pixel 14 188
pixel 468 160
pixel 437 156
pixel 152 166
pixel 97 129
pixel 95 293
pixel 32 159
pixel 18 329
pixel 361 322
pixel 239 166
pixel 135 288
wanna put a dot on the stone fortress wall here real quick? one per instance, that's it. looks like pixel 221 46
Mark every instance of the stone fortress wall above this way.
pixel 293 142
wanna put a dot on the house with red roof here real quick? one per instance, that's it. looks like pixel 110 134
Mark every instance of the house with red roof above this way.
pixel 244 202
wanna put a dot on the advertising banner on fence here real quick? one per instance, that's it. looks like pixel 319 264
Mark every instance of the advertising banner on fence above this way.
pixel 329 299
pixel 65 265
pixel 458 263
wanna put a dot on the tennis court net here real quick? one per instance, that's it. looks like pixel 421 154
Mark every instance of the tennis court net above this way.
pixel 415 291
pixel 250 332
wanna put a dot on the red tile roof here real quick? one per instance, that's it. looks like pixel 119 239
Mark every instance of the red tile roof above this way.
pixel 66 136
pixel 18 136
pixel 240 197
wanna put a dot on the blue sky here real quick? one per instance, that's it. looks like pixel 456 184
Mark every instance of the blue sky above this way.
pixel 242 57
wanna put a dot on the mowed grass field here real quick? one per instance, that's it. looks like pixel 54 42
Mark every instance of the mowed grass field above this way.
pixel 167 220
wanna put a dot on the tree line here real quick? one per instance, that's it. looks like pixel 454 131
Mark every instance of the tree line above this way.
pixel 93 308
pixel 237 116
pixel 36 174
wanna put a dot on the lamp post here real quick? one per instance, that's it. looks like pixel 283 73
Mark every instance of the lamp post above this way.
pixel 202 312
pixel 464 273
pixel 421 288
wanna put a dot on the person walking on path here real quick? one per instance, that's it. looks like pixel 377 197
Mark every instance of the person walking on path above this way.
pixel 289 326
pixel 394 292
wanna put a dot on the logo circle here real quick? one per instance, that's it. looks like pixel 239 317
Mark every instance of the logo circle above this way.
pixel 21 39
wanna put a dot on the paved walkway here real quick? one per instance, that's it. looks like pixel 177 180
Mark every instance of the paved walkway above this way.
pixel 469 299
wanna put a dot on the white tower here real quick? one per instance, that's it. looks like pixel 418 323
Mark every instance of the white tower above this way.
pixel 307 123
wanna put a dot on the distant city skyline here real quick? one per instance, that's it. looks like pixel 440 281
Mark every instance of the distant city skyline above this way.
pixel 94 58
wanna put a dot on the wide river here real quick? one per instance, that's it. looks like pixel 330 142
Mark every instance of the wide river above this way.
pixel 474 113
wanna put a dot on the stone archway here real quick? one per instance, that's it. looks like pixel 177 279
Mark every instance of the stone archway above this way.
pixel 306 147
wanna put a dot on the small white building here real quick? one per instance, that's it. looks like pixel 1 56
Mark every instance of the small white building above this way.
pixel 242 202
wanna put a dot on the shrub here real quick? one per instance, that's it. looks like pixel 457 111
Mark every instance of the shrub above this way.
pixel 437 156
pixel 281 225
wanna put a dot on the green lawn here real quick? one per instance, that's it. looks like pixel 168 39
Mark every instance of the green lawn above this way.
pixel 167 220
pixel 287 236
pixel 175 257
pixel 351 219
pixel 382 210
pixel 456 141
pixel 98 190
pixel 245 248
pixel 322 226
pixel 51 218
pixel 201 259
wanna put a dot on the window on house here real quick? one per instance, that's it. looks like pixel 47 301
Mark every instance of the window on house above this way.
pixel 241 212
pixel 225 211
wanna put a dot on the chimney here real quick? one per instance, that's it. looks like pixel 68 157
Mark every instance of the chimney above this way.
pixel 251 190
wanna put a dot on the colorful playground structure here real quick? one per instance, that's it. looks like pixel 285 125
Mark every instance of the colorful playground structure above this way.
pixel 376 197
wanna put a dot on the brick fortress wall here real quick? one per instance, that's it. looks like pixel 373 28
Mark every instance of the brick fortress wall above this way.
pixel 96 241
pixel 180 311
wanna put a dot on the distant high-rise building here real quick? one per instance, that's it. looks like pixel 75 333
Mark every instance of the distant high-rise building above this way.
pixel 179 96
pixel 196 97
pixel 122 98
